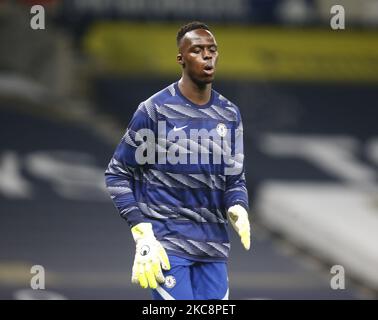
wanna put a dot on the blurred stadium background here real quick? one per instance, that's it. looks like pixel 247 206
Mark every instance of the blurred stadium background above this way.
pixel 309 100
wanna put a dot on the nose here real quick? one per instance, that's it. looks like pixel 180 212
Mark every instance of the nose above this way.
pixel 206 54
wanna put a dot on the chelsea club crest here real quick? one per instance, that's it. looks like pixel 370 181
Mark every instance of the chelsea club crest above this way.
pixel 170 281
pixel 222 129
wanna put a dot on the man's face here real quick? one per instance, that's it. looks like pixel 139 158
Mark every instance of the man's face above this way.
pixel 198 54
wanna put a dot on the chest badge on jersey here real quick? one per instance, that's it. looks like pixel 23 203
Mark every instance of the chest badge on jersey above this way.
pixel 222 129
pixel 170 281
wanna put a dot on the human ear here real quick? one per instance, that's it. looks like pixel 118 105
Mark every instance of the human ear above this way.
pixel 180 60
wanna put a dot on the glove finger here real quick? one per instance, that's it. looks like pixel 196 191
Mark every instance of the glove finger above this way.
pixel 163 257
pixel 158 273
pixel 148 271
pixel 134 276
pixel 246 239
pixel 142 277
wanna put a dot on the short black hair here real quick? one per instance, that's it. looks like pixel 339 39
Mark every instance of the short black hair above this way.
pixel 189 27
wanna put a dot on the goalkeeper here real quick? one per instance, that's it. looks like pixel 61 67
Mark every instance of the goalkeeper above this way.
pixel 177 178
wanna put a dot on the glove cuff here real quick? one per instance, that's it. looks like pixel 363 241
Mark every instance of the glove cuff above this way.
pixel 142 231
pixel 237 208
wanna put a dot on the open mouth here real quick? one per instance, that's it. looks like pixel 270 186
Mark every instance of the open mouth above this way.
pixel 208 69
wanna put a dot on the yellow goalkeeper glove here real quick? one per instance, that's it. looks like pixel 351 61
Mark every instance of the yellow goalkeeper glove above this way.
pixel 149 257
pixel 238 217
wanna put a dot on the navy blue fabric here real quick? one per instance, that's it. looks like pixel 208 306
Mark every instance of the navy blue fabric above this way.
pixel 189 280
pixel 185 201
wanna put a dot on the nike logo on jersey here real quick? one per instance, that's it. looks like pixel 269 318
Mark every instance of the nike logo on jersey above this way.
pixel 177 129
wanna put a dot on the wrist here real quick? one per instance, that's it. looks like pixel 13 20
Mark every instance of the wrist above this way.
pixel 236 208
pixel 240 203
pixel 142 230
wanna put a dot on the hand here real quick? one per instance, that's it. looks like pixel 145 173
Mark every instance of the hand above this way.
pixel 149 257
pixel 238 217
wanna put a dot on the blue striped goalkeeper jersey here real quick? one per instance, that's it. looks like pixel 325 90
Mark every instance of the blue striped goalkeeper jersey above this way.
pixel 180 166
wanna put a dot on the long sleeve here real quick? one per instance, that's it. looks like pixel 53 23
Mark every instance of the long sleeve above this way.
pixel 236 190
pixel 124 167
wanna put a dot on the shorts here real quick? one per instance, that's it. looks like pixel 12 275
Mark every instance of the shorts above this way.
pixel 193 280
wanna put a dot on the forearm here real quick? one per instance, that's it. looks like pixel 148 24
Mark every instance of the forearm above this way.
pixel 236 192
pixel 120 184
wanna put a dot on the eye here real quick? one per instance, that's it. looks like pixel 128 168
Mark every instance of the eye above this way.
pixel 213 49
pixel 197 50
